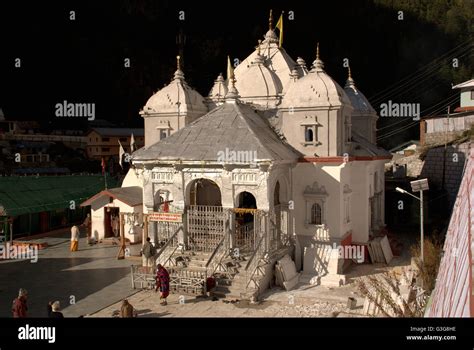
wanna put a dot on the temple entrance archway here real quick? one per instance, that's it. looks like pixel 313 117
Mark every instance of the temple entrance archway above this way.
pixel 245 239
pixel 204 192
pixel 205 216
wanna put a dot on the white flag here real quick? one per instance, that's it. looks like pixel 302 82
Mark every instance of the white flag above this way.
pixel 121 153
pixel 132 144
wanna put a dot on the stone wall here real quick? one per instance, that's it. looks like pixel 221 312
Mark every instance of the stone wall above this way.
pixel 454 158
pixel 413 164
pixel 437 138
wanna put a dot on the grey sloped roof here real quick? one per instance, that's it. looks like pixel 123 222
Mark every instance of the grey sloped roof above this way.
pixel 366 148
pixel 232 126
pixel 131 196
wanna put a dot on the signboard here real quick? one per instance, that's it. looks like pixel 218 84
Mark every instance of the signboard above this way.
pixel 166 217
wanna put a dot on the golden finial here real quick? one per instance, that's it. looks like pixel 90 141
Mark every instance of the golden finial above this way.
pixel 270 21
pixel 178 58
pixel 317 51
pixel 350 73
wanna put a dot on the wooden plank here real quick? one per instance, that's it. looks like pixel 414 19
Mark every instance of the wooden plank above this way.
pixel 387 251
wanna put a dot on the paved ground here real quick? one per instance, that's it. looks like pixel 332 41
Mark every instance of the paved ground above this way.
pixel 92 278
pixel 147 305
pixel 98 282
pixel 304 301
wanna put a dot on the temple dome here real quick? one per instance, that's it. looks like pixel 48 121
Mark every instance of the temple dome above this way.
pixel 258 84
pixel 360 103
pixel 176 94
pixel 316 88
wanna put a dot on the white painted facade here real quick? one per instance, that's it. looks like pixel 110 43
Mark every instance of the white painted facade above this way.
pixel 335 187
pixel 98 212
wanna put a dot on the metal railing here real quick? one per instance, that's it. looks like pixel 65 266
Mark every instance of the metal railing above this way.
pixel 206 225
pixel 187 281
pixel 252 266
pixel 172 242
pixel 245 238
pixel 142 277
pixel 214 262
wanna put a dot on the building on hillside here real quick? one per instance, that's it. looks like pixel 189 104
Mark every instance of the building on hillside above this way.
pixel 104 142
pixel 444 128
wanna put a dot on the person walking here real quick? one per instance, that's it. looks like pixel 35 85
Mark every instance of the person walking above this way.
pixel 19 307
pixel 126 310
pixel 55 313
pixel 162 283
pixel 148 251
pixel 75 238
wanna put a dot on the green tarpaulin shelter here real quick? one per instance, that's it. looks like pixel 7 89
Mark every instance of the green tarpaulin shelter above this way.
pixel 30 194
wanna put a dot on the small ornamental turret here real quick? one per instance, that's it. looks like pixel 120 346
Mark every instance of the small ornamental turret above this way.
pixel 318 65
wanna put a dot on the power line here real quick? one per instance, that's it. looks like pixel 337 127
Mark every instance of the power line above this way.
pixel 404 88
pixel 403 128
pixel 396 123
pixel 420 70
pixel 432 110
pixel 398 130
pixel 395 131
pixel 451 99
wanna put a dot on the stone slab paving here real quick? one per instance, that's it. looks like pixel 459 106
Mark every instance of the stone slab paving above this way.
pixel 304 301
pixel 91 277
pixel 315 301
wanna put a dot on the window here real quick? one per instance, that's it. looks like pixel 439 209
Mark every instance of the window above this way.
pixel 105 139
pixel 308 134
pixel 309 128
pixel 472 95
pixel 316 214
pixel 105 149
pixel 163 134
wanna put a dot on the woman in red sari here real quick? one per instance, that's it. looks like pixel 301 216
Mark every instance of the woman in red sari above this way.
pixel 163 283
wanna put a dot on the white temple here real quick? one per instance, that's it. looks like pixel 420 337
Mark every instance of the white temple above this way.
pixel 279 159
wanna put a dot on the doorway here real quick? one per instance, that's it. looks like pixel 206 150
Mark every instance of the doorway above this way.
pixel 111 222
pixel 244 222
pixel 205 192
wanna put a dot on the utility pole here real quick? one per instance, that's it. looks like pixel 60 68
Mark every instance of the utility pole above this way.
pixel 121 253
pixel 418 186
pixel 422 231
pixel 445 149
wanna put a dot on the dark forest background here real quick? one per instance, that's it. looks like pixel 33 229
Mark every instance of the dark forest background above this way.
pixel 407 60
